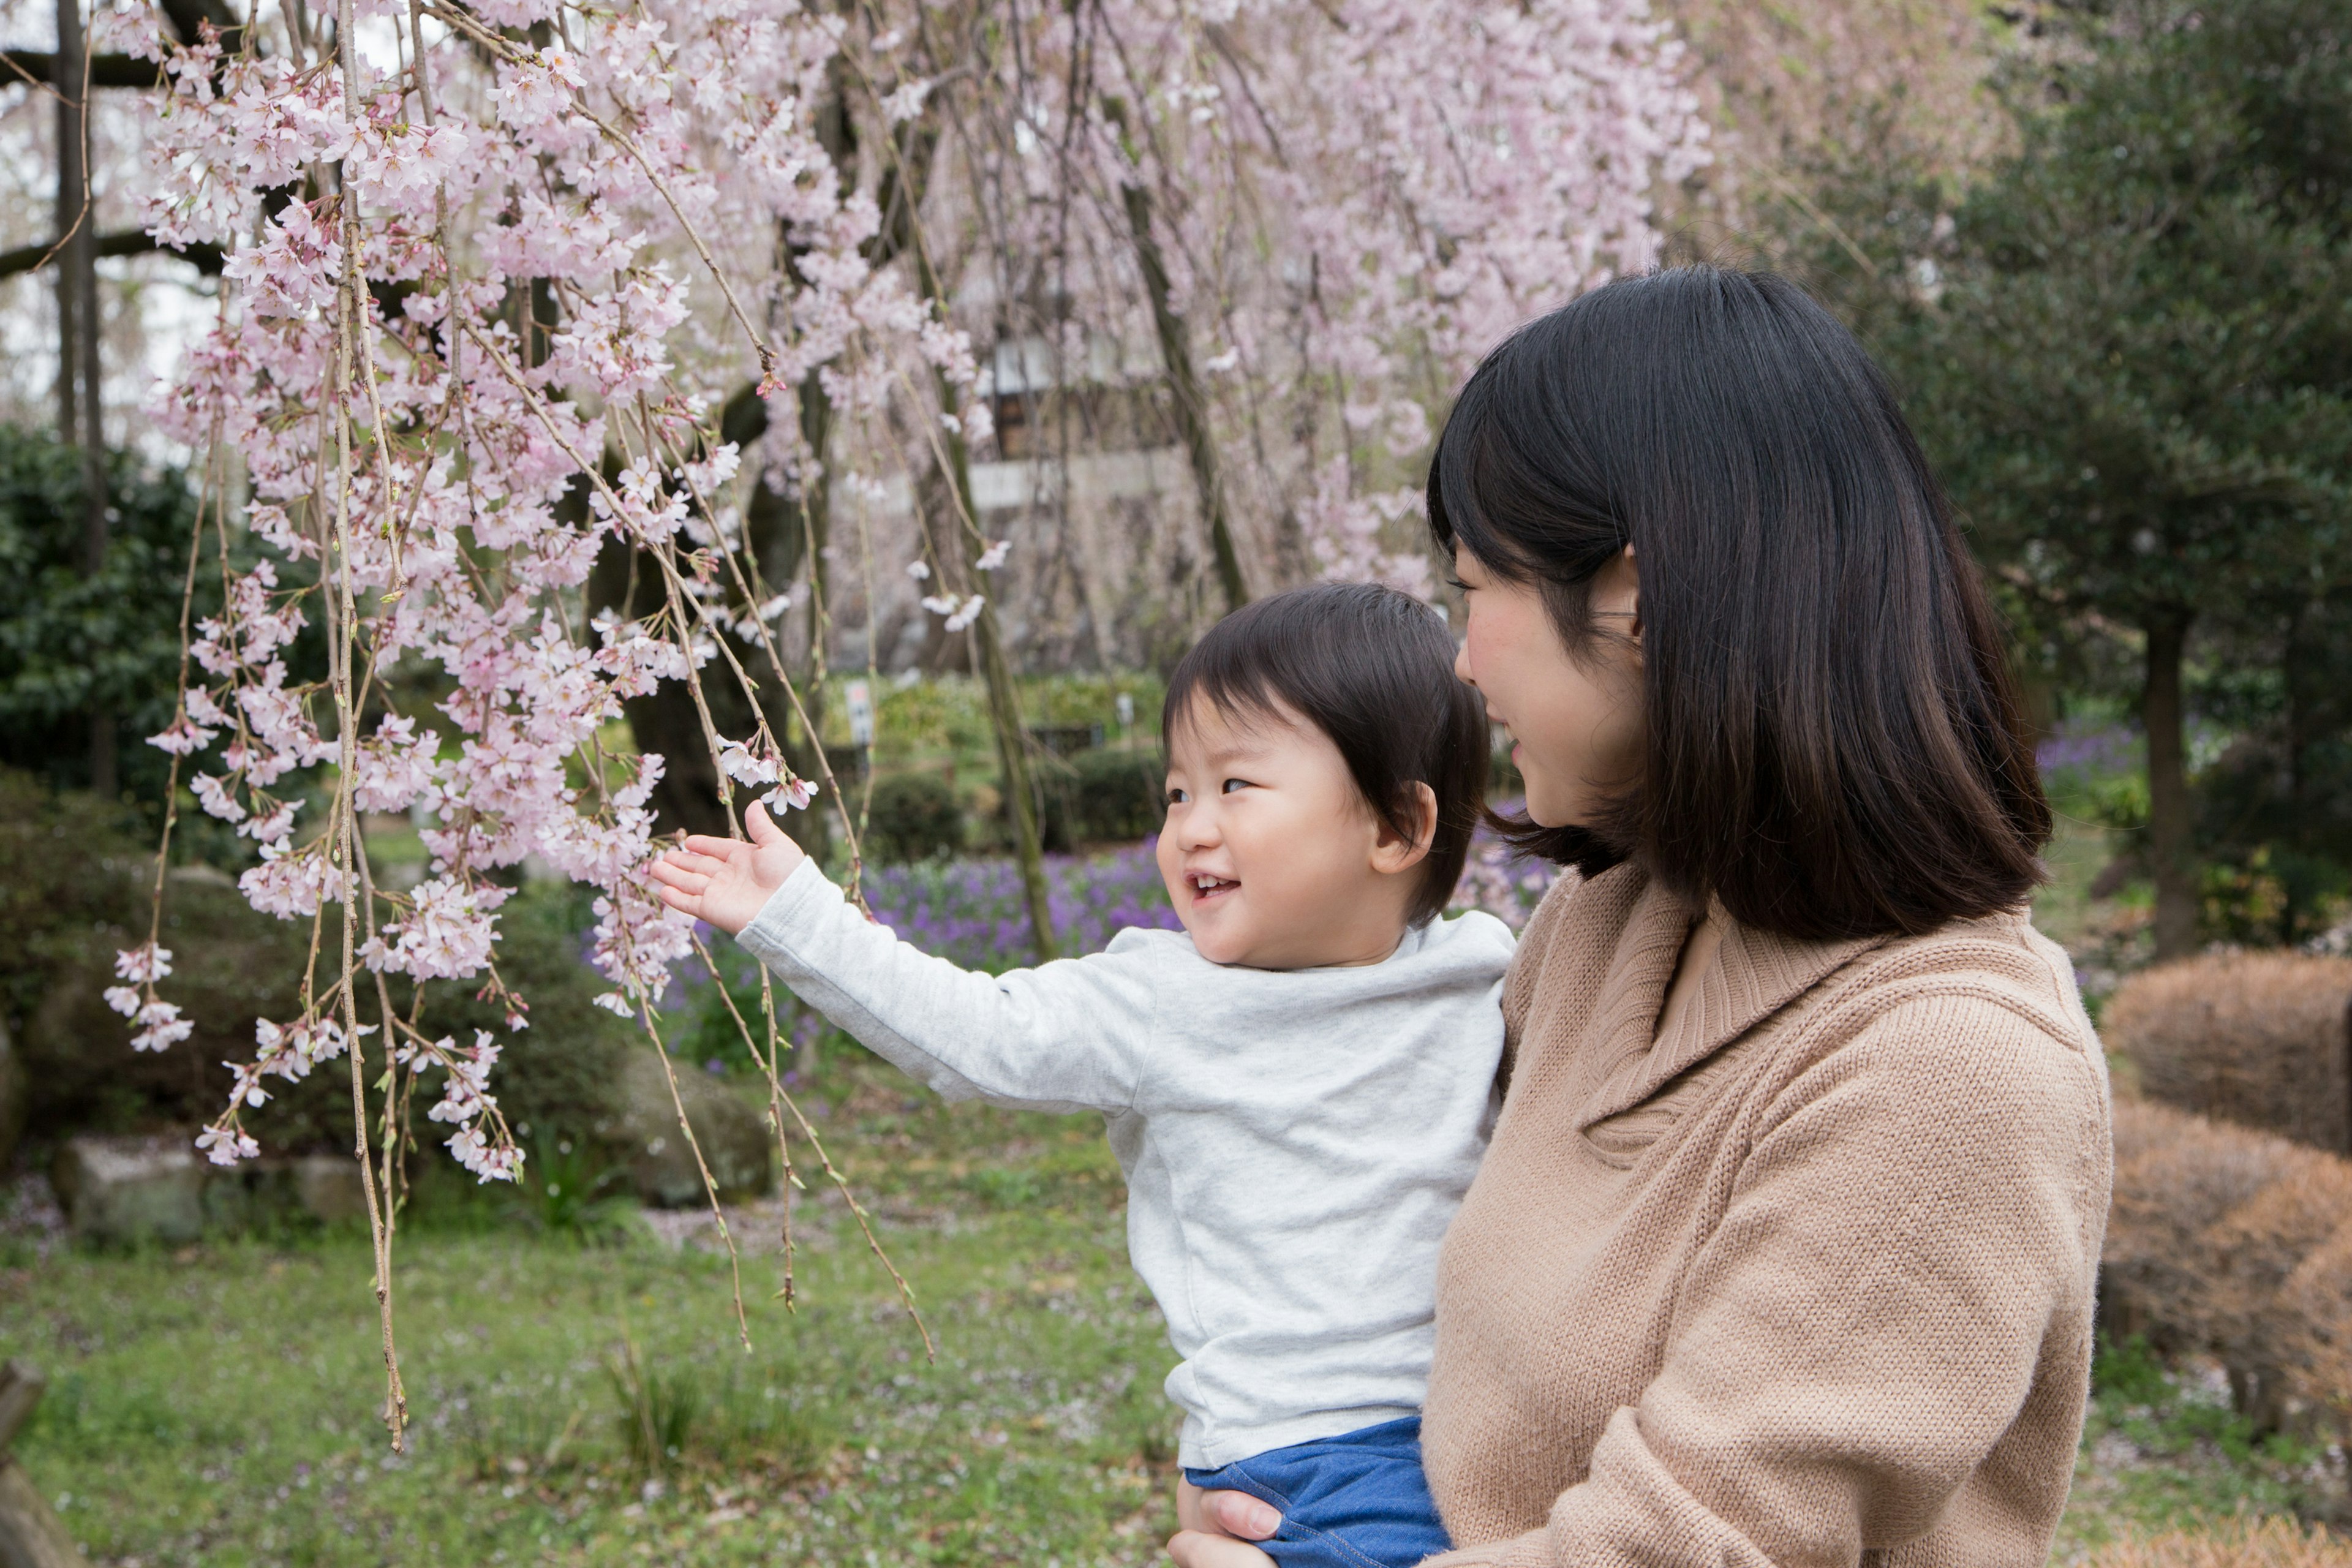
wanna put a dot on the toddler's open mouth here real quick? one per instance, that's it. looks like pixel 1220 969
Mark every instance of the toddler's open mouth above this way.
pixel 1205 887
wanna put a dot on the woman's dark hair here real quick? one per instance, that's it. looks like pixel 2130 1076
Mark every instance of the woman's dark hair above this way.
pixel 1373 669
pixel 1834 744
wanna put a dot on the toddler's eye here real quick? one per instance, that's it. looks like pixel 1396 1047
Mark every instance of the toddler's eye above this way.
pixel 1176 797
pixel 1233 784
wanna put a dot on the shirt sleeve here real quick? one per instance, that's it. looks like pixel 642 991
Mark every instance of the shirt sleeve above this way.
pixel 1067 1036
pixel 1918 1223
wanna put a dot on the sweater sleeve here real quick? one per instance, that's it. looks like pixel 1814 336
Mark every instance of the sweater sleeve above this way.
pixel 1918 1217
pixel 1067 1036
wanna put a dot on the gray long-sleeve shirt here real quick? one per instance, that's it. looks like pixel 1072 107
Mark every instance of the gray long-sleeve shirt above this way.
pixel 1294 1141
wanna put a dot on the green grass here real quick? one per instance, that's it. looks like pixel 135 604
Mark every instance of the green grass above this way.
pixel 576 1404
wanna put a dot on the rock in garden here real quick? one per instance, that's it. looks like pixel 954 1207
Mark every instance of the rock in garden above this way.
pixel 328 1187
pixel 159 1189
pixel 132 1189
pixel 735 1142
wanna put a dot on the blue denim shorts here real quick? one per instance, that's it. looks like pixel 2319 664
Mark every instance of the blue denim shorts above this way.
pixel 1356 1501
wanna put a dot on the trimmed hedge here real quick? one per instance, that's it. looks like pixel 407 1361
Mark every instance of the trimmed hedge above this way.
pixel 2230 1242
pixel 2272 1542
pixel 912 816
pixel 1101 796
pixel 2262 1039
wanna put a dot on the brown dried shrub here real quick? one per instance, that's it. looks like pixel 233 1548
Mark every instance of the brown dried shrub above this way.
pixel 2262 1039
pixel 2223 1240
pixel 2178 1177
pixel 2242 1543
pixel 2262 1332
pixel 2313 1320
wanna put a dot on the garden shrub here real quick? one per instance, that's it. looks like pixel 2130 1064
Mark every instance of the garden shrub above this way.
pixel 2264 1039
pixel 2177 1177
pixel 914 817
pixel 2313 1325
pixel 2230 1242
pixel 2258 1246
pixel 2272 1542
pixel 74 889
pixel 1101 796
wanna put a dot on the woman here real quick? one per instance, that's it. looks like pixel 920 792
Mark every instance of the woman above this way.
pixel 1784 1251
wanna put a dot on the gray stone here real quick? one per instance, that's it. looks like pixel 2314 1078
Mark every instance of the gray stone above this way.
pixel 160 1189
pixel 132 1189
pixel 736 1143
pixel 328 1187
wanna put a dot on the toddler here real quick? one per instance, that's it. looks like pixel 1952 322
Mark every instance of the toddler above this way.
pixel 1299 1085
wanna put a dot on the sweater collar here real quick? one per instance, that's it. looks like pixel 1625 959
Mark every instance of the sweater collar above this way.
pixel 1755 972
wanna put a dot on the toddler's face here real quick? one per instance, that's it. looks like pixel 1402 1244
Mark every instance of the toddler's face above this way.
pixel 1270 854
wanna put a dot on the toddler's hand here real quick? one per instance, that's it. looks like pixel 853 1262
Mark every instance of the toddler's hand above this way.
pixel 726 881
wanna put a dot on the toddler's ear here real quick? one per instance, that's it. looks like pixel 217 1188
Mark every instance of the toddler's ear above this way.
pixel 1392 851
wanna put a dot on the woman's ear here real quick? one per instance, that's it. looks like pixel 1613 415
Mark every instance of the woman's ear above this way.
pixel 1617 591
pixel 1392 851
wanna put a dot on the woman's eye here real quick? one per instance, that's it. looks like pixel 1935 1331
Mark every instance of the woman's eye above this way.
pixel 1233 784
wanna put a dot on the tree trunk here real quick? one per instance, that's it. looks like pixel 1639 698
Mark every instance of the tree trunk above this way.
pixel 80 422
pixel 31 1535
pixel 2171 854
pixel 1004 701
pixel 815 508
pixel 2295 663
pixel 1190 399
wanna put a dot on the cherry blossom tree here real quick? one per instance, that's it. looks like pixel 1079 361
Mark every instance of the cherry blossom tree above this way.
pixel 511 287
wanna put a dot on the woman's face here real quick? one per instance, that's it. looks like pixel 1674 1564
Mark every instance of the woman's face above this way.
pixel 1576 722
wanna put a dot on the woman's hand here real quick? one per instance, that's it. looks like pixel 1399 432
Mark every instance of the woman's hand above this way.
pixel 726 881
pixel 1215 1529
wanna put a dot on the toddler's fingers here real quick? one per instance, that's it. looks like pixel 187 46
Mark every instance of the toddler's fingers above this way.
pixel 703 844
pixel 684 879
pixel 685 903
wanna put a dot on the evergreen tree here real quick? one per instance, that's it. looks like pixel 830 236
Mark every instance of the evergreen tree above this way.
pixel 2131 352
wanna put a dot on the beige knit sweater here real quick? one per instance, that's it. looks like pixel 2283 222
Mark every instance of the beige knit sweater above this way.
pixel 1807 1281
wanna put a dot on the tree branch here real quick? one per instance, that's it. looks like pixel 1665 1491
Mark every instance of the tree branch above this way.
pixel 105 70
pixel 206 258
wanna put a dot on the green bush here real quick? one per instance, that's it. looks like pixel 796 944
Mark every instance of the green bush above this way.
pixel 914 817
pixel 74 890
pixel 1101 796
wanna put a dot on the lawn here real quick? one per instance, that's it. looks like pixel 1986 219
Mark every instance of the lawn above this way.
pixel 217 1403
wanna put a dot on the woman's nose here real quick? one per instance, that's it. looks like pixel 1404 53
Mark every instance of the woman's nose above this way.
pixel 1462 663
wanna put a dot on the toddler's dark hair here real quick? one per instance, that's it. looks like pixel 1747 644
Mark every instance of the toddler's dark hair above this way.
pixel 1373 669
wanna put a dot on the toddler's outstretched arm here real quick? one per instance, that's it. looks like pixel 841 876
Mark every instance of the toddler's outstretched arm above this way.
pixel 725 880
pixel 1069 1035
